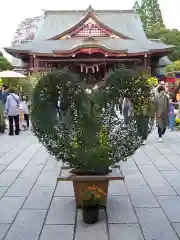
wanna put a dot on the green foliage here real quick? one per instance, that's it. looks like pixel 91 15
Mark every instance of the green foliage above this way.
pixel 2 119
pixel 82 129
pixel 23 85
pixel 175 66
pixel 152 81
pixel 1 107
pixel 4 64
pixel 150 13
pixel 168 36
pixel 137 7
pixel 151 17
pixel 27 85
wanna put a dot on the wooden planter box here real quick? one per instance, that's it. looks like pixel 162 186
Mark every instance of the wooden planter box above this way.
pixel 82 182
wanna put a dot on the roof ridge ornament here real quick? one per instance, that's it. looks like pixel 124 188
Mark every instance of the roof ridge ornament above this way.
pixel 90 9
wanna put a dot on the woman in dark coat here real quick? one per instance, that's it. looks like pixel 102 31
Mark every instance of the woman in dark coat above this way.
pixel 162 110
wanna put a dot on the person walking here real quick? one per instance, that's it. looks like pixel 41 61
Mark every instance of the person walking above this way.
pixel 12 109
pixel 162 110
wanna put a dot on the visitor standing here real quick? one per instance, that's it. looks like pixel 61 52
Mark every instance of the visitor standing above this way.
pixel 1 92
pixel 25 111
pixel 162 110
pixel 156 93
pixel 171 114
pixel 119 105
pixel 126 109
pixel 5 93
pixel 12 109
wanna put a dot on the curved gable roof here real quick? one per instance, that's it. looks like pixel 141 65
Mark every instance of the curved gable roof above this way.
pixel 90 14
pixel 126 23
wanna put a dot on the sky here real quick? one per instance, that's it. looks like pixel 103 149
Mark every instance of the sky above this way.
pixel 15 11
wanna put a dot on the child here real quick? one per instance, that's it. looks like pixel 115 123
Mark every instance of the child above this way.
pixel 24 113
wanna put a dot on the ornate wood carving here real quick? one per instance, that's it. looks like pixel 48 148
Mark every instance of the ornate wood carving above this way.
pixel 90 30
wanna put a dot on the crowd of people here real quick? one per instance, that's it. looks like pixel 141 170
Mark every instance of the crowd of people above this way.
pixel 166 107
pixel 16 109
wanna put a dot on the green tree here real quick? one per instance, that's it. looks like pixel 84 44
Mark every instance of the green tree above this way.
pixel 150 13
pixel 168 36
pixel 175 66
pixel 151 17
pixel 4 64
pixel 137 6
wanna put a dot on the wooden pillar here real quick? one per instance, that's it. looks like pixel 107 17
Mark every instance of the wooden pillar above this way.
pixel 154 65
pixel 30 65
pixel 147 64
pixel 105 70
pixel 146 61
pixel 36 63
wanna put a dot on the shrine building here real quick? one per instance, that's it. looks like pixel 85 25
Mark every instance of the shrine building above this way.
pixel 91 42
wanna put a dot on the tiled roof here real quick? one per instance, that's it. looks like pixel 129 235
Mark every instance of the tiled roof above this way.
pixel 131 46
pixel 126 23
pixel 53 23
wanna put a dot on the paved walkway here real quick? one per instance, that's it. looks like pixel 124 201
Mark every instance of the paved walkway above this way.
pixel 32 207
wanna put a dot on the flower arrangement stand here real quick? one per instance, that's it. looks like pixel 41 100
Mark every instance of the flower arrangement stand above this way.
pixel 81 182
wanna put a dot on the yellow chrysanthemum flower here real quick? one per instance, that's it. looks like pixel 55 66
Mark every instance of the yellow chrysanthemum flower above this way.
pixel 178 121
pixel 152 81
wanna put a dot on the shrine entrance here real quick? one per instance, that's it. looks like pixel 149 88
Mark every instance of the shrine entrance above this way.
pixel 90 67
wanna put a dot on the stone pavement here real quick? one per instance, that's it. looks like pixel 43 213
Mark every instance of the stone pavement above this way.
pixel 32 207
